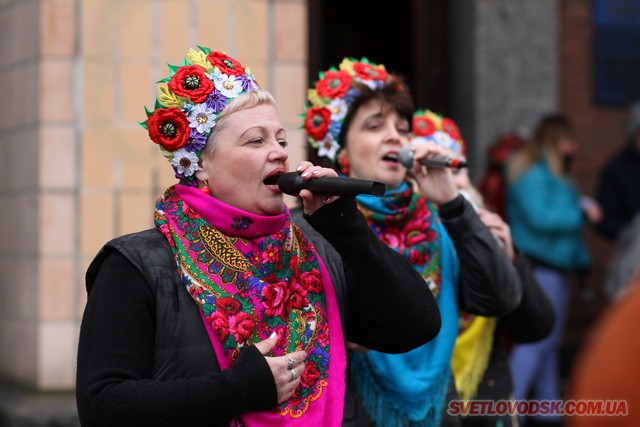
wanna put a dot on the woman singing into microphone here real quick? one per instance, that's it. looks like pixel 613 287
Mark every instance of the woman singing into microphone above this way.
pixel 359 117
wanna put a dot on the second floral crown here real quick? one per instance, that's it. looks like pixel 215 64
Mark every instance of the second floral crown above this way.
pixel 328 101
pixel 428 126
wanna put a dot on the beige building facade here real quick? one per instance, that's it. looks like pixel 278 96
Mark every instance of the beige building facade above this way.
pixel 76 168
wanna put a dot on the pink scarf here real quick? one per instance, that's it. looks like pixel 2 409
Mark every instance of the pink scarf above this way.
pixel 252 275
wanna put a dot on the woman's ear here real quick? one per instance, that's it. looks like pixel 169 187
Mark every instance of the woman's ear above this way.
pixel 201 173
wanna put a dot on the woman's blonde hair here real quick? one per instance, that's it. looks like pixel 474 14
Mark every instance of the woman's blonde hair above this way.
pixel 545 142
pixel 242 102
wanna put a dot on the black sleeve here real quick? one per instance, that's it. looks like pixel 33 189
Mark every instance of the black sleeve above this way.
pixel 534 318
pixel 115 360
pixel 489 283
pixel 614 218
pixel 390 308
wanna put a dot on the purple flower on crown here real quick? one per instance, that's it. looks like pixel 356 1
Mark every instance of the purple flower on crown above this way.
pixel 248 82
pixel 334 129
pixel 351 94
pixel 196 141
pixel 217 101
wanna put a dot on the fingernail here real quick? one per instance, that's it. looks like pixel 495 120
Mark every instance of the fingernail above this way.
pixel 316 172
pixel 273 335
pixel 305 173
pixel 299 168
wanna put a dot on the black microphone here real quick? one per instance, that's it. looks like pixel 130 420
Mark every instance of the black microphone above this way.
pixel 292 183
pixel 406 158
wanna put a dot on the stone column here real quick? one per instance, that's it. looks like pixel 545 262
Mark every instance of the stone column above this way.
pixel 505 68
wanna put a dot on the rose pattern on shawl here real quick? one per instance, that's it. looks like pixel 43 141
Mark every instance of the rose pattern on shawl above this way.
pixel 275 299
pixel 297 297
pixel 410 232
pixel 311 281
pixel 242 326
pixel 220 324
pixel 248 292
pixel 228 306
pixel 310 375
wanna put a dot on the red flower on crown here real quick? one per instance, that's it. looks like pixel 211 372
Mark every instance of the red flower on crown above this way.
pixel 450 127
pixel 226 64
pixel 335 84
pixel 191 82
pixel 317 122
pixel 169 128
pixel 369 72
pixel 423 126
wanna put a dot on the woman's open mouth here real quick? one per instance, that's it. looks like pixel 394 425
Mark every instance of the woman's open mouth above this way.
pixel 272 179
pixel 391 157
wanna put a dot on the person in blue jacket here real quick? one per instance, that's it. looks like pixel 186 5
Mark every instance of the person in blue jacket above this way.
pixel 547 215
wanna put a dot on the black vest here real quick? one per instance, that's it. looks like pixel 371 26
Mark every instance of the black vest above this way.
pixel 182 345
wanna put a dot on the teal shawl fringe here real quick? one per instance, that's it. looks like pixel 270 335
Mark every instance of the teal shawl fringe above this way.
pixel 409 389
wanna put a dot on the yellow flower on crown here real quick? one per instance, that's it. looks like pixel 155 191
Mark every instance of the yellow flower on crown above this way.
pixel 199 58
pixel 314 98
pixel 347 65
pixel 168 98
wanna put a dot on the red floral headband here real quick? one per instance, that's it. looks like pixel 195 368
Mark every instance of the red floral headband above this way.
pixel 188 104
pixel 433 127
pixel 329 99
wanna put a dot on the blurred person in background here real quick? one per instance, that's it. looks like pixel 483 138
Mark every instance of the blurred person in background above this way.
pixel 493 185
pixel 619 196
pixel 607 368
pixel 619 182
pixel 547 214
pixel 479 361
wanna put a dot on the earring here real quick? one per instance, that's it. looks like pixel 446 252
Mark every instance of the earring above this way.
pixel 205 188
pixel 344 165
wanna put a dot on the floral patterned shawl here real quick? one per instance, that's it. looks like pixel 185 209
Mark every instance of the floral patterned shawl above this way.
pixel 253 275
pixel 410 388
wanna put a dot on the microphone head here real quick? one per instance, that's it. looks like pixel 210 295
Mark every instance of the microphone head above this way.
pixel 288 185
pixel 405 156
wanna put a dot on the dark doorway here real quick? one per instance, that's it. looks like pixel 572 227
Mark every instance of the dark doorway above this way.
pixel 408 36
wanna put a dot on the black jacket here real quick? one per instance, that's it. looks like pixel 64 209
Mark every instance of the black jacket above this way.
pixel 619 192
pixel 145 358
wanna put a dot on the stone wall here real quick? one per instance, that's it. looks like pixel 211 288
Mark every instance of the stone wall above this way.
pixel 76 167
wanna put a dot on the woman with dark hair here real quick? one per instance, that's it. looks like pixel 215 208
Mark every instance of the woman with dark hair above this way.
pixel 359 117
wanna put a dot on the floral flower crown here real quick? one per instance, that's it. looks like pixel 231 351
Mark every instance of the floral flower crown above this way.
pixel 330 97
pixel 188 104
pixel 428 126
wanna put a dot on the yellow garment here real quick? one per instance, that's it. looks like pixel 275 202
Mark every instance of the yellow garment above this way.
pixel 471 355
